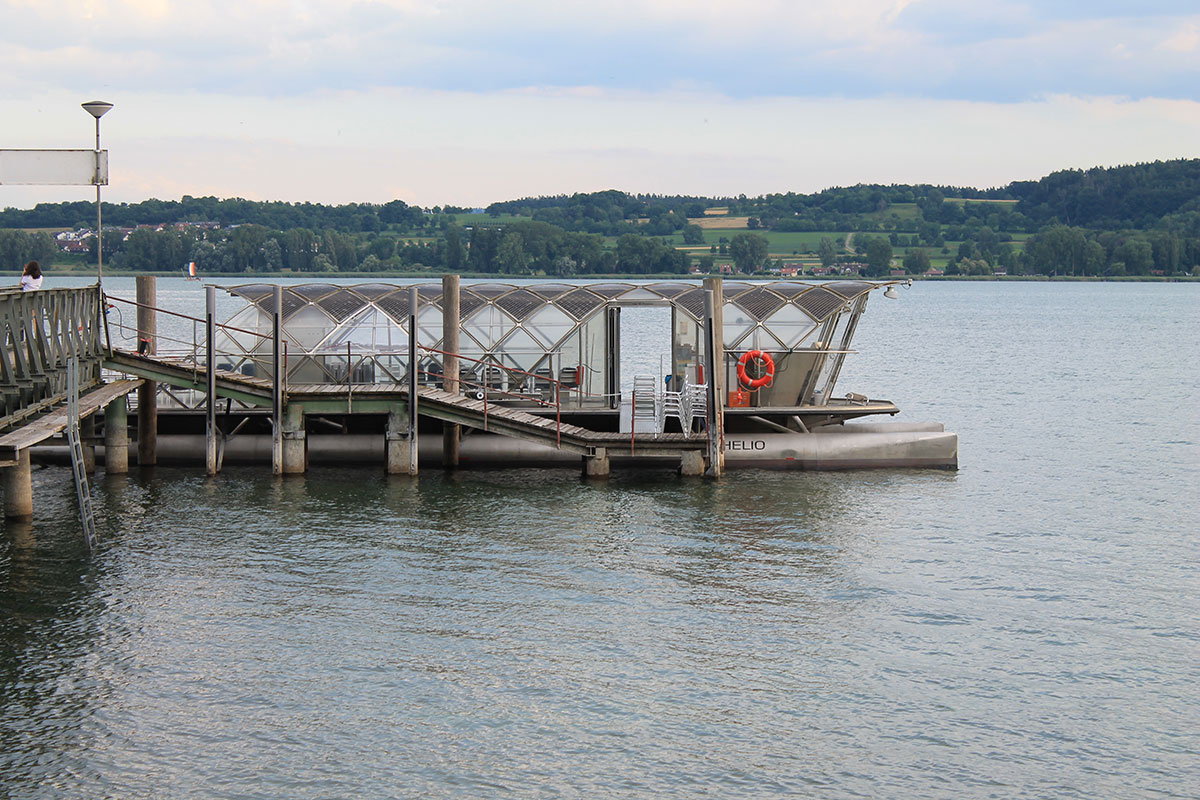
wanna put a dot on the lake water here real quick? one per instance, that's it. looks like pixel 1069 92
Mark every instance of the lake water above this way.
pixel 1023 627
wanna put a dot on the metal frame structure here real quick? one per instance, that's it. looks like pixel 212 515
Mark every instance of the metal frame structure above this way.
pixel 563 333
pixel 40 332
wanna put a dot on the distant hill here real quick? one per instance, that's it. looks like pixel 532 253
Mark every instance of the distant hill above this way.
pixel 1141 219
pixel 1136 197
pixel 1139 196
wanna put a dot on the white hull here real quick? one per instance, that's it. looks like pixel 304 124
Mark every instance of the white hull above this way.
pixel 850 446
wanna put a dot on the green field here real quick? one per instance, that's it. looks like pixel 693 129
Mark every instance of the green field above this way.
pixel 901 211
pixel 778 243
pixel 487 219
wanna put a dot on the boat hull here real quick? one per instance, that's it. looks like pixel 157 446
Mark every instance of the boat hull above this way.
pixel 837 447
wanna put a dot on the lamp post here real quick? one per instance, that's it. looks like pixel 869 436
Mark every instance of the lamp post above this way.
pixel 98 108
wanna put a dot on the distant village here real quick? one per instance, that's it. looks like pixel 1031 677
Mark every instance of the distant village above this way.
pixel 77 241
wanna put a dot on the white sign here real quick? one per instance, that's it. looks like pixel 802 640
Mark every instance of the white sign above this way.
pixel 54 167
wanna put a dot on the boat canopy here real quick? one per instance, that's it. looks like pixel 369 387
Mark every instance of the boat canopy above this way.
pixel 546 328
pixel 318 316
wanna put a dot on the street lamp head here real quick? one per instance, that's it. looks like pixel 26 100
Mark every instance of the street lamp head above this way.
pixel 97 108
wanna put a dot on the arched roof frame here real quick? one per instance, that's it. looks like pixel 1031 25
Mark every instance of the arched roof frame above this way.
pixel 549 313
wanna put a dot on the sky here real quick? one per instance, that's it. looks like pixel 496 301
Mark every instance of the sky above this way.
pixel 468 102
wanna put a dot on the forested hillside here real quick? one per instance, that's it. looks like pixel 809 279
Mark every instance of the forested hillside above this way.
pixel 1140 219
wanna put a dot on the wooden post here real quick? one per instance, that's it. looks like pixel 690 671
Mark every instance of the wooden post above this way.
pixel 414 299
pixel 147 407
pixel 278 369
pixel 116 437
pixel 210 374
pixel 714 356
pixel 18 488
pixel 450 326
pixel 295 445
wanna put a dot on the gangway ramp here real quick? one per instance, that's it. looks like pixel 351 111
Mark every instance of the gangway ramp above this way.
pixel 184 373
pixel 374 398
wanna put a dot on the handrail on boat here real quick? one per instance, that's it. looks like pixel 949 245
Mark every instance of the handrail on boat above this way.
pixel 485 390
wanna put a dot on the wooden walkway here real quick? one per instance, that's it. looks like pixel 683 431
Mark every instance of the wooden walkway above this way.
pixel 55 422
pixel 433 403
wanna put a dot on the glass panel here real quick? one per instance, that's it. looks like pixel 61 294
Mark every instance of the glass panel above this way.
pixel 372 329
pixel 790 326
pixel 639 294
pixel 308 327
pixel 429 326
pixel 592 360
pixel 829 369
pixel 738 324
pixel 487 326
pixel 250 318
pixel 549 325
pixel 522 350
pixel 687 350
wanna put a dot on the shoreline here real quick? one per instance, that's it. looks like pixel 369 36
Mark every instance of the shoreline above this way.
pixel 77 273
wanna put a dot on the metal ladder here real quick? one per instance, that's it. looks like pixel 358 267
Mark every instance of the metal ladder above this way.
pixel 82 493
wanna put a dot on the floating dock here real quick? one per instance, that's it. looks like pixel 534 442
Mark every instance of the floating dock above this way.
pixel 481 375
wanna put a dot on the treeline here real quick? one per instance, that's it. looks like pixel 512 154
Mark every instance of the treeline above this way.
pixel 349 218
pixel 853 208
pixel 514 248
pixel 1162 194
pixel 19 248
pixel 1139 219
pixel 1068 250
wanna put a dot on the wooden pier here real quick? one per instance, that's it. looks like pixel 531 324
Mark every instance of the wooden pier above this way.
pixel 44 331
pixel 51 335
pixel 45 334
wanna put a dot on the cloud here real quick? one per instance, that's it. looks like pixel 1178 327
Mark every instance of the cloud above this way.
pixel 434 147
pixel 469 101
pixel 950 49
pixel 1186 40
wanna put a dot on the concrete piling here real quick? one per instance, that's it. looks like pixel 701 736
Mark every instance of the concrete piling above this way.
pixel 691 462
pixel 18 488
pixel 597 465
pixel 87 435
pixel 396 450
pixel 295 445
pixel 116 437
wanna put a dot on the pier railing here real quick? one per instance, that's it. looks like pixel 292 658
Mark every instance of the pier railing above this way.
pixel 41 330
pixel 192 350
pixel 517 384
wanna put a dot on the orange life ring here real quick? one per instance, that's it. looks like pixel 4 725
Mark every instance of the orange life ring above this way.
pixel 767 362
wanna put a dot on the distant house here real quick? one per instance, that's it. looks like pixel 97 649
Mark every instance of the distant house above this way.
pixel 934 272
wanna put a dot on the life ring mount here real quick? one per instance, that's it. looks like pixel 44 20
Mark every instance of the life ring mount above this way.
pixel 765 362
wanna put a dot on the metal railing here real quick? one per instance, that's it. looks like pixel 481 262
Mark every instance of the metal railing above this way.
pixel 193 353
pixel 40 331
pixel 488 380
pixel 488 391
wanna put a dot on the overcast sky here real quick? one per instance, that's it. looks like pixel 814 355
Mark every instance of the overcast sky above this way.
pixel 473 101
